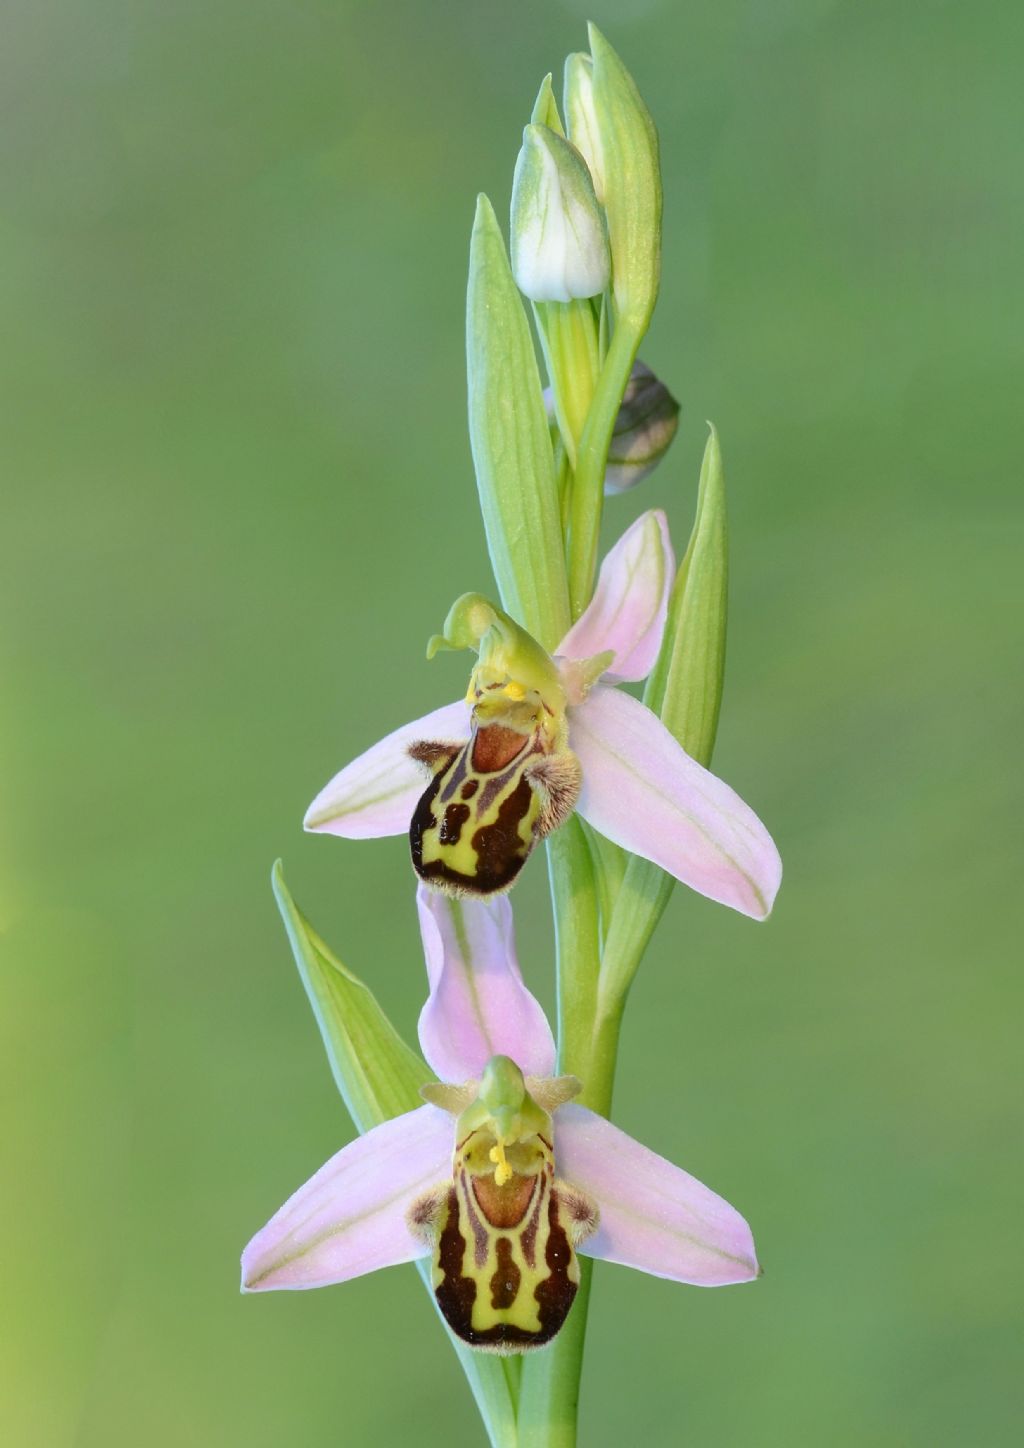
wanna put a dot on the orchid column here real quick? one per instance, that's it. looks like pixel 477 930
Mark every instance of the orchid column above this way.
pixel 499 1187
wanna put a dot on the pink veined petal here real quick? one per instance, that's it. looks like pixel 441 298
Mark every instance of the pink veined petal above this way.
pixel 377 793
pixel 644 792
pixel 653 1215
pixel 478 1005
pixel 350 1217
pixel 627 613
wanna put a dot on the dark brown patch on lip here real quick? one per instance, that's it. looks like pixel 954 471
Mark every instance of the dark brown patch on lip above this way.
pixel 499 848
pixel 494 746
pixel 504 1206
pixel 556 1291
pixel 455 1294
pixel 470 788
pixel 507 1277
pixel 454 817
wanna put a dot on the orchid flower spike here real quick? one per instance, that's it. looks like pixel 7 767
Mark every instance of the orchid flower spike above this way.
pixel 499 1180
pixel 537 737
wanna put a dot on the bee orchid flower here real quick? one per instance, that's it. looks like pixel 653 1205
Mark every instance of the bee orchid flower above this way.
pixel 499 1179
pixel 537 737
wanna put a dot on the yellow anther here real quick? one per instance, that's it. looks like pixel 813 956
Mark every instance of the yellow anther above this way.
pixel 514 690
pixel 502 1171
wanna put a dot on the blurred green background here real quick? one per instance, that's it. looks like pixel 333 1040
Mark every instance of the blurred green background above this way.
pixel 237 499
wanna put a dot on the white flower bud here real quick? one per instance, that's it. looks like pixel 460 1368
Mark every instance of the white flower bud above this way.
pixel 581 117
pixel 559 238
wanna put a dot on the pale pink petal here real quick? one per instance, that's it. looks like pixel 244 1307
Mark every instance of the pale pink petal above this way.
pixel 478 1005
pixel 627 613
pixel 350 1217
pixel 377 793
pixel 653 1216
pixel 642 791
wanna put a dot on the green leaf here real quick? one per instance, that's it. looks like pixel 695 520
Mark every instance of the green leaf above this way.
pixel 631 183
pixel 685 689
pixel 511 442
pixel 378 1075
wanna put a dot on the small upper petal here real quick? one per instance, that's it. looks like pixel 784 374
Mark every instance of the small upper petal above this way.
pixel 351 1217
pixel 644 792
pixel 377 793
pixel 652 1215
pixel 630 604
pixel 478 1005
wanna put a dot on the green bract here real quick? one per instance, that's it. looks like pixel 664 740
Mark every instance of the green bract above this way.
pixel 378 1075
pixel 685 687
pixel 511 443
pixel 628 161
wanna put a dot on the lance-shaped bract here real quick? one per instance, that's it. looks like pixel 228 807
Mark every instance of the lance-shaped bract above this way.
pixel 482 1197
pixel 558 240
pixel 510 441
pixel 638 787
pixel 627 147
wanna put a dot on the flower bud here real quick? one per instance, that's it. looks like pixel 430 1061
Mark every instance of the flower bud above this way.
pixel 559 238
pixel 644 428
pixel 581 118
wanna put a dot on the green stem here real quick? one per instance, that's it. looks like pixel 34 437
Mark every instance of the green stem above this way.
pixel 574 894
pixel 592 459
pixel 588 1044
pixel 568 333
pixel 551 1379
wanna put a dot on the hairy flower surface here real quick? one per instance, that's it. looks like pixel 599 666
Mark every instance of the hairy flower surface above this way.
pixel 499 1179
pixel 537 737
